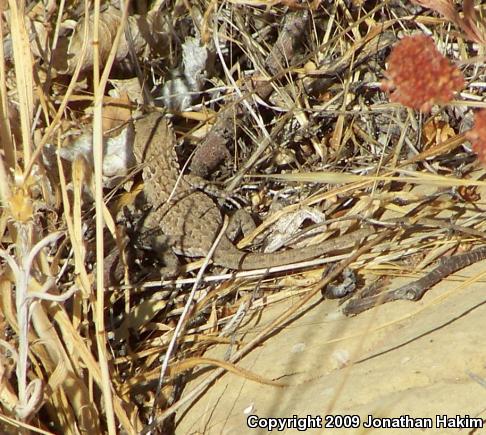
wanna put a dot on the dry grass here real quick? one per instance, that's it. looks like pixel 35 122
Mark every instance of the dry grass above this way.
pixel 300 122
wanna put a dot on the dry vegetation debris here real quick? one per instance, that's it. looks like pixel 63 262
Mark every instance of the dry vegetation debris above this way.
pixel 282 103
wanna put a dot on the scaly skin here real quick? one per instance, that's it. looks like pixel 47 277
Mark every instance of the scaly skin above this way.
pixel 191 220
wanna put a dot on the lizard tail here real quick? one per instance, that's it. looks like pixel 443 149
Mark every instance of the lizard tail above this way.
pixel 255 260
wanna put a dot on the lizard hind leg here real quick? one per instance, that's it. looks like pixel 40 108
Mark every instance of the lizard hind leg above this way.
pixel 240 222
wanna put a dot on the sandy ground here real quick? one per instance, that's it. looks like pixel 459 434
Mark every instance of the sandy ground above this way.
pixel 420 359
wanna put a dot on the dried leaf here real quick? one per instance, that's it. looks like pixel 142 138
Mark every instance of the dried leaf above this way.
pixel 437 131
pixel 470 25
pixel 444 7
pixel 142 33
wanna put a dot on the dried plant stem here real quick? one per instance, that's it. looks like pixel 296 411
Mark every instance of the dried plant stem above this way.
pixel 23 73
pixel 22 308
pixel 99 89
pixel 182 318
pixel 72 84
pixel 5 131
pixel 98 167
pixel 28 401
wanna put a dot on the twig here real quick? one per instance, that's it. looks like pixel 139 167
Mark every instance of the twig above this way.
pixel 416 289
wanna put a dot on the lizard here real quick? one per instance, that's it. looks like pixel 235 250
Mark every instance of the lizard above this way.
pixel 190 219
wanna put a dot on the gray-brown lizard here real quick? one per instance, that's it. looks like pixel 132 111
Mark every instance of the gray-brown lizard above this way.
pixel 190 219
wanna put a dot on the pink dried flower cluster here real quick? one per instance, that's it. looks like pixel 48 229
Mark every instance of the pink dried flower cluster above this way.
pixel 419 76
pixel 477 135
